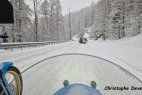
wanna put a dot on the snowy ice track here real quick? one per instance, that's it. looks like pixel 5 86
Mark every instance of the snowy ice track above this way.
pixel 46 59
pixel 82 71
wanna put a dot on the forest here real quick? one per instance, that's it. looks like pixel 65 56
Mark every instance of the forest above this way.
pixel 43 22
pixel 113 19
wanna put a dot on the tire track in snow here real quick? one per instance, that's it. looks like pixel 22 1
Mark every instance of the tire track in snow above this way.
pixel 46 55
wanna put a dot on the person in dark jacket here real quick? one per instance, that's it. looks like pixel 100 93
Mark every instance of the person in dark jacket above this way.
pixel 81 40
pixel 4 36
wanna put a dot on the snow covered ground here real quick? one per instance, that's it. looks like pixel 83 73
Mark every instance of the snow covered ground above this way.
pixel 50 74
pixel 128 50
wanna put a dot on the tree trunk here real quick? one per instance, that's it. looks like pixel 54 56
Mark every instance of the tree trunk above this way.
pixel 123 21
pixel 36 20
pixel 70 25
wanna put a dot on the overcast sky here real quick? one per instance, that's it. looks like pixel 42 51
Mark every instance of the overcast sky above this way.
pixel 74 5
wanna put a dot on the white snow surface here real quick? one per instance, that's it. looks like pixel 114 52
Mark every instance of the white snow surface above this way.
pixel 126 53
